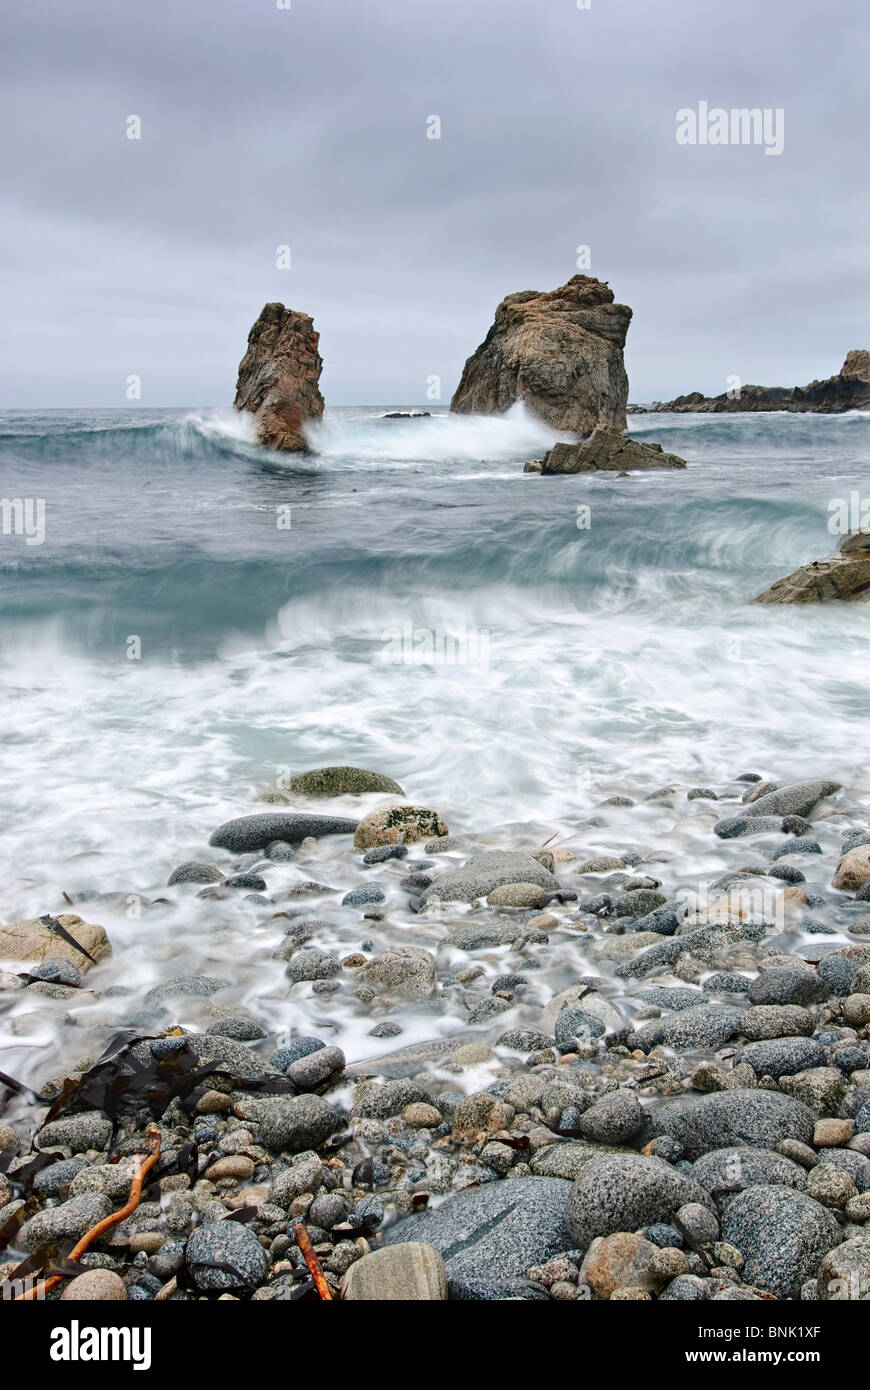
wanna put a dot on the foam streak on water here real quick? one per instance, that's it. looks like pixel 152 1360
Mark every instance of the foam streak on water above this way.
pixel 430 612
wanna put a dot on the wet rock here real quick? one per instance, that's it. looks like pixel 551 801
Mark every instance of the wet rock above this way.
pixel 736 827
pixel 69 1221
pixel 844 1273
pixel 525 1040
pixel 586 998
pixel 490 1236
pixel 304 1174
pixel 614 1119
pixel 787 985
pixel 723 1118
pixel 764 1021
pixel 293 1123
pixel 359 897
pixel 830 1185
pixel 625 1192
pixel 382 853
pixel 618 1261
pixel 198 986
pixel 699 1225
pixel 89 1130
pixel 34 941
pixel 796 799
pixel 608 450
pixel 408 970
pixel 379 1102
pixel 703 1026
pixel 838 968
pixel 483 873
pixel 225 1255
pixel 412 1272
pixel 279 851
pixel 853 870
pixel 316 1068
pixel 59 972
pixel 673 998
pixel 781 1056
pixel 802 844
pixel 256 832
pixel 392 825
pixel 240 1028
pixel 193 871
pixel 575 1028
pixel 518 895
pixel 820 1088
pixel 639 902
pixel 311 964
pixel 96 1286
pixel 739 1166
pixel 783 1235
pixel 255 882
pixel 342 781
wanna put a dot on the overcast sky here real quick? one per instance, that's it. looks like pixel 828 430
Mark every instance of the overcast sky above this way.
pixel 306 127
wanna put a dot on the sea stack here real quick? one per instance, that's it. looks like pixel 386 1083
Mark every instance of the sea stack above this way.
pixel 279 377
pixel 559 352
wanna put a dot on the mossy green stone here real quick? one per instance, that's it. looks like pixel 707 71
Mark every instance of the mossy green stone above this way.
pixel 343 781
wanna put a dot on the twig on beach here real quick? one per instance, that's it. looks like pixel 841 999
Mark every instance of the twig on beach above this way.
pixel 315 1269
pixel 87 1240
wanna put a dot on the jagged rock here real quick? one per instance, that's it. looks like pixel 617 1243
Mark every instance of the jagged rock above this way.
pixel 607 450
pixel 279 376
pixel 848 390
pixel 560 352
pixel 843 575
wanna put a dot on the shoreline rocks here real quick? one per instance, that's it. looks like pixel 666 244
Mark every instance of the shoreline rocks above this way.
pixel 844 575
pixel 849 389
pixel 606 450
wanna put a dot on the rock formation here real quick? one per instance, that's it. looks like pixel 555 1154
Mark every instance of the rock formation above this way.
pixel 848 390
pixel 843 575
pixel 606 450
pixel 279 376
pixel 559 352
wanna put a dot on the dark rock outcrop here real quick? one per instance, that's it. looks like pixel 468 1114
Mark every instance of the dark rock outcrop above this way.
pixel 843 575
pixel 279 376
pixel 560 352
pixel 848 390
pixel 607 450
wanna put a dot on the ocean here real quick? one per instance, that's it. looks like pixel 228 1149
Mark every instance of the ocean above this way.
pixel 204 619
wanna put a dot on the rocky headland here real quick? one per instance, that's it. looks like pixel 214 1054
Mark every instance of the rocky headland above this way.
pixel 279 377
pixel 848 390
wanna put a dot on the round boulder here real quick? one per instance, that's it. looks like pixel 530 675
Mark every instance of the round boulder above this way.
pixel 622 1192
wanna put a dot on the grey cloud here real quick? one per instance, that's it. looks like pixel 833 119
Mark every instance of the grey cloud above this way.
pixel 263 127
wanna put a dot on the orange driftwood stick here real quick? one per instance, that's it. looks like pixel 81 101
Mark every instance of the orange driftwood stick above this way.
pixel 87 1240
pixel 303 1240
